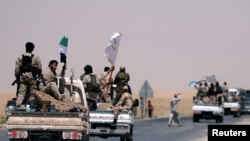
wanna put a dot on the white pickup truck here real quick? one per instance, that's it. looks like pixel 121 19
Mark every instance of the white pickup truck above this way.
pixel 231 106
pixel 33 125
pixel 101 121
pixel 208 111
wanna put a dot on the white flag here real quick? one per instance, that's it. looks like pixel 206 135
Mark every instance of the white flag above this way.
pixel 112 48
pixel 211 79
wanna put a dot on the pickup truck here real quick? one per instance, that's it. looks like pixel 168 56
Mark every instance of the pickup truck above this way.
pixel 246 103
pixel 101 124
pixel 50 124
pixel 208 111
pixel 232 106
pixel 246 106
pixel 102 117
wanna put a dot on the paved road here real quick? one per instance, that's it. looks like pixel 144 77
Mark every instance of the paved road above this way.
pixel 157 129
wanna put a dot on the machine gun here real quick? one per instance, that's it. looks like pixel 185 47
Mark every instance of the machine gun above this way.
pixel 16 82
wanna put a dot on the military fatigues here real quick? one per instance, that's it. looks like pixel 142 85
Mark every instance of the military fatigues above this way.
pixel 211 94
pixel 125 103
pixel 106 89
pixel 205 95
pixel 218 92
pixel 51 87
pixel 86 79
pixel 199 94
pixel 121 80
pixel 225 92
pixel 27 80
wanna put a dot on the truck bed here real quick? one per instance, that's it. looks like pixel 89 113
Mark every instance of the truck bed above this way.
pixel 208 111
pixel 46 120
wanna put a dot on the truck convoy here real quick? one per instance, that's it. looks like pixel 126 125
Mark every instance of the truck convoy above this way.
pixel 50 124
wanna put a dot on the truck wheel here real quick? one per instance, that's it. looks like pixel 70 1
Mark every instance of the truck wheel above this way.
pixel 86 138
pixel 126 139
pixel 122 139
pixel 130 138
pixel 219 119
pixel 195 118
pixel 237 114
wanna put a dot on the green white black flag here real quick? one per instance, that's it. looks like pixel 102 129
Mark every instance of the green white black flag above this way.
pixel 63 45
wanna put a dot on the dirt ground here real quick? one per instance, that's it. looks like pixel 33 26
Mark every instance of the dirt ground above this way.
pixel 160 101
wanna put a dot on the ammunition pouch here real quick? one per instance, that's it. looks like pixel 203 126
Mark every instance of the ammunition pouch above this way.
pixel 36 72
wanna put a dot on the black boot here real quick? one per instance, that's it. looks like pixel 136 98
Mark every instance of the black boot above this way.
pixel 113 125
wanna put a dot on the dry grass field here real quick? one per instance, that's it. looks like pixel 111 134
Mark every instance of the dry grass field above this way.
pixel 4 98
pixel 160 101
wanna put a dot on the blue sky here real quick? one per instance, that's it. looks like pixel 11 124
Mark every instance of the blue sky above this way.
pixel 166 42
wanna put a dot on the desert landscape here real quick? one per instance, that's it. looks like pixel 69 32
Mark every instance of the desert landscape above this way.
pixel 160 101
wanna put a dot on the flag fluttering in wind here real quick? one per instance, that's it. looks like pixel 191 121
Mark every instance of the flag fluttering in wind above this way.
pixel 63 45
pixel 194 82
pixel 211 78
pixel 112 48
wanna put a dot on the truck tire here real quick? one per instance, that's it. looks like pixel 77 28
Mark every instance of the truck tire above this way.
pixel 130 137
pixel 219 119
pixel 195 118
pixel 125 139
pixel 86 138
pixel 237 114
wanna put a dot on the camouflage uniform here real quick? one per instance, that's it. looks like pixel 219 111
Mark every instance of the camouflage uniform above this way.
pixel 121 80
pixel 225 91
pixel 125 103
pixel 199 94
pixel 51 86
pixel 105 86
pixel 27 82
pixel 86 79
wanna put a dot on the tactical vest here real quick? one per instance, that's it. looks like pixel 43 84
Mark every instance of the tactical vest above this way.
pixel 26 64
pixel 93 86
pixel 122 78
